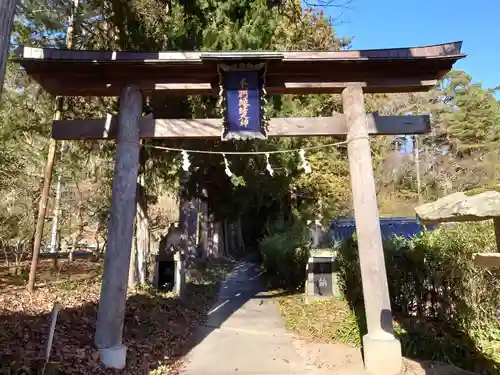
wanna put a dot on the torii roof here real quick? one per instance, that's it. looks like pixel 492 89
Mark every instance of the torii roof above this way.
pixel 97 73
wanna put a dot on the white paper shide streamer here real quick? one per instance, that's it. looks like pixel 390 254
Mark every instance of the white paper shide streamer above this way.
pixel 185 161
pixel 268 165
pixel 305 165
pixel 227 170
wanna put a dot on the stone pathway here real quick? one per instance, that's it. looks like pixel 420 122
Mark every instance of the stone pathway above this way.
pixel 244 333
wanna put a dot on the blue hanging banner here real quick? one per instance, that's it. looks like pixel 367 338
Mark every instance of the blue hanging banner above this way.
pixel 242 89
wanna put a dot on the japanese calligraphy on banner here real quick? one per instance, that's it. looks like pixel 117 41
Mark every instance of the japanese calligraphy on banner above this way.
pixel 242 90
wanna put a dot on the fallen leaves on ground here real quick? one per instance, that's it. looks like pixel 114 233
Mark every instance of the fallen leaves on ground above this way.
pixel 157 326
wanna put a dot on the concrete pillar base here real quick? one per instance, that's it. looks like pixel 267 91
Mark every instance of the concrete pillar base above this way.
pixel 382 354
pixel 114 357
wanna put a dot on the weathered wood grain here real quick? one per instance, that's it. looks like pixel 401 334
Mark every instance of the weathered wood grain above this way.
pixel 112 87
pixel 440 50
pixel 211 128
pixel 121 225
pixel 98 73
pixel 491 260
pixel 382 352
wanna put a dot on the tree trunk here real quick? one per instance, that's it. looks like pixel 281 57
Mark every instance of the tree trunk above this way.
pixel 225 235
pixel 7 9
pixel 17 262
pixel 56 215
pixel 184 212
pixel 496 224
pixel 5 32
pixel 142 231
pixel 132 269
pixel 203 224
pixel 57 209
pixel 5 254
pixel 42 209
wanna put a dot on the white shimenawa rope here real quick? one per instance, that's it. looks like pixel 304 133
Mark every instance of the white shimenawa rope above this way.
pixel 305 165
pixel 185 161
pixel 302 153
pixel 247 152
pixel 268 165
pixel 226 164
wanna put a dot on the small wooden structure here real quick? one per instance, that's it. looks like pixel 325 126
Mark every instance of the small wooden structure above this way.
pixel 130 75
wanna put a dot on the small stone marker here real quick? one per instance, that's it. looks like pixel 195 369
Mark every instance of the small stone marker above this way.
pixel 321 275
pixel 164 270
pixel 180 273
pixel 170 271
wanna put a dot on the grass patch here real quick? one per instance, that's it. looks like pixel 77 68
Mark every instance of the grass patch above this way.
pixel 444 305
pixel 490 187
pixel 326 321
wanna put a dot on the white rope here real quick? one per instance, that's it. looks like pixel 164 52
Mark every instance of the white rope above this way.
pixel 268 165
pixel 226 164
pixel 246 152
pixel 305 165
pixel 185 161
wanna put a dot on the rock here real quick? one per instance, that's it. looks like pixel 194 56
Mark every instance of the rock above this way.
pixel 461 207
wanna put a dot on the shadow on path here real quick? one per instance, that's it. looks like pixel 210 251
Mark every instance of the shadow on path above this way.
pixel 243 332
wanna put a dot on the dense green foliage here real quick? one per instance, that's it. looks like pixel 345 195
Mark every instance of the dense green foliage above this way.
pixel 284 256
pixel 445 306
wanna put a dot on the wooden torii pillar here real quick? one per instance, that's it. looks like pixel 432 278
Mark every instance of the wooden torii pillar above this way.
pixel 382 351
pixel 111 313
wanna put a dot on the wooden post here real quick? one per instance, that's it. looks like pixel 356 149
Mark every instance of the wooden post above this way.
pixel 110 317
pixel 7 10
pixel 42 206
pixel 382 351
pixel 496 223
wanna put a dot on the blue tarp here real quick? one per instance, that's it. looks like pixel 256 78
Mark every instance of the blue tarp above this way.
pixel 341 229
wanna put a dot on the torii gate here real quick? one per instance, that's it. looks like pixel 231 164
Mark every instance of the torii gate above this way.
pixel 130 75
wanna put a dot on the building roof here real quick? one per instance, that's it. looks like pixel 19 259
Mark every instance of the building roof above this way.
pixel 97 73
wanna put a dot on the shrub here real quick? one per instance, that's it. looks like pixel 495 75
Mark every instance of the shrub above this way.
pixel 284 257
pixel 438 295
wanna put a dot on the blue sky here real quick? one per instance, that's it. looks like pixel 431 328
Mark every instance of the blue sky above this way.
pixel 409 23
